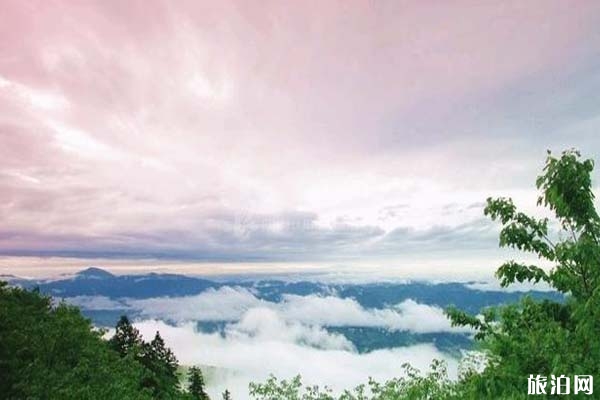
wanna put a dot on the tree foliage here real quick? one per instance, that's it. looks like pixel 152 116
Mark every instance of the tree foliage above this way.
pixel 545 337
pixel 127 339
pixel 196 385
pixel 412 385
pixel 52 352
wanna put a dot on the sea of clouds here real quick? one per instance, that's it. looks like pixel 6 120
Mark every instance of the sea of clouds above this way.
pixel 283 338
pixel 262 344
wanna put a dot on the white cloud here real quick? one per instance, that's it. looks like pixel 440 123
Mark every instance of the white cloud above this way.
pixel 235 304
pixel 265 324
pixel 423 318
pixel 334 311
pixel 97 303
pixel 285 338
pixel 223 304
pixel 494 286
pixel 262 344
pixel 38 99
pixel 83 144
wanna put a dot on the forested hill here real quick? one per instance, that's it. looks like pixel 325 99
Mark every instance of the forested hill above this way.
pixel 52 352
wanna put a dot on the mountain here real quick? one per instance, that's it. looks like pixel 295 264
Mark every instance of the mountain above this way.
pixel 94 273
pixel 98 282
pixel 15 280
pixel 95 281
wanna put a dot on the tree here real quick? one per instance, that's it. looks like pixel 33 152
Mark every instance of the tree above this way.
pixel 159 361
pixel 52 352
pixel 196 384
pixel 127 338
pixel 226 395
pixel 412 386
pixel 162 357
pixel 161 365
pixel 545 337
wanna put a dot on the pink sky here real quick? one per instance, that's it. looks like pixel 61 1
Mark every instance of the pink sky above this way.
pixel 283 130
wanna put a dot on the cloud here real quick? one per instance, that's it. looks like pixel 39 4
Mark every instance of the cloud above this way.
pixel 262 344
pixel 494 286
pixel 144 130
pixel 97 303
pixel 224 237
pixel 285 338
pixel 334 311
pixel 239 305
pixel 265 324
pixel 223 304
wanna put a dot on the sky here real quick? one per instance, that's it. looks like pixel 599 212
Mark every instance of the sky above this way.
pixel 313 131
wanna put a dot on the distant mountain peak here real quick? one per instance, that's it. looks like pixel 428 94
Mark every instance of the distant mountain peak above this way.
pixel 94 273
